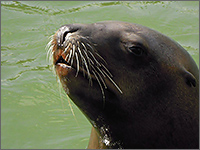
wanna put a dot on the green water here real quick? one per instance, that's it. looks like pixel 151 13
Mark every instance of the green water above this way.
pixel 34 113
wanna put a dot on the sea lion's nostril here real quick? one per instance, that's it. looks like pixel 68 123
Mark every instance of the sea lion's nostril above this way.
pixel 62 33
pixel 64 36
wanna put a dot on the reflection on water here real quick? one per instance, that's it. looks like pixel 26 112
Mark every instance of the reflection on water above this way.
pixel 35 114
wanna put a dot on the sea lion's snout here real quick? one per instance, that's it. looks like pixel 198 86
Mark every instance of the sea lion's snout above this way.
pixel 74 53
pixel 63 50
pixel 63 33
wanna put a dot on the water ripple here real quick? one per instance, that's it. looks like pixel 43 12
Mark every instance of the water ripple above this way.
pixel 20 6
pixel 25 61
pixel 38 68
pixel 28 9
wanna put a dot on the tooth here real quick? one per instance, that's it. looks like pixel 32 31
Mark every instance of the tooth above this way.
pixel 64 65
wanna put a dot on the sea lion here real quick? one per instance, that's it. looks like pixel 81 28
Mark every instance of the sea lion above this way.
pixel 137 87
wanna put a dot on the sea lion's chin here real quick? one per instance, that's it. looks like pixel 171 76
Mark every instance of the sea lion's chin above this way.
pixel 62 70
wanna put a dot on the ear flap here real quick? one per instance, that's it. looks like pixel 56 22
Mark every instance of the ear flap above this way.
pixel 189 78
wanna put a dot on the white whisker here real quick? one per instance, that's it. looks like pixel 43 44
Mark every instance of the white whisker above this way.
pixel 94 58
pixel 87 67
pixel 82 60
pixel 91 61
pixel 66 57
pixel 73 50
pixel 84 46
pixel 70 55
pixel 77 64
pixel 102 91
pixel 102 80
pixel 66 48
pixel 48 44
pixel 113 82
pixel 51 56
pixel 101 57
pixel 107 70
pixel 80 52
pixel 51 36
pixel 49 50
pixel 90 46
pixel 87 57
pixel 101 71
pixel 85 63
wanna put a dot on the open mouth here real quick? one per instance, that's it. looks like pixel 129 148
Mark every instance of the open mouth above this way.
pixel 63 63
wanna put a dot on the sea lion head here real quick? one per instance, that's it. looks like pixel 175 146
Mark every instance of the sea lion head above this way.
pixel 131 82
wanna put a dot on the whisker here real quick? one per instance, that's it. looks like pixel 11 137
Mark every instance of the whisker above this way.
pixel 86 67
pixel 85 52
pixel 91 61
pixel 107 70
pixel 87 57
pixel 90 79
pixel 49 55
pixel 66 42
pixel 101 71
pixel 85 38
pixel 85 63
pixel 77 69
pixel 51 36
pixel 94 58
pixel 70 55
pixel 48 44
pixel 102 81
pixel 82 60
pixel 49 50
pixel 101 57
pixel 66 48
pixel 73 50
pixel 66 57
pixel 84 46
pixel 100 77
pixel 80 51
pixel 102 91
pixel 113 82
pixel 90 46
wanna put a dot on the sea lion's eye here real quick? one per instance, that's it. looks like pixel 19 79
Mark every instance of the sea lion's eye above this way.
pixel 136 50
